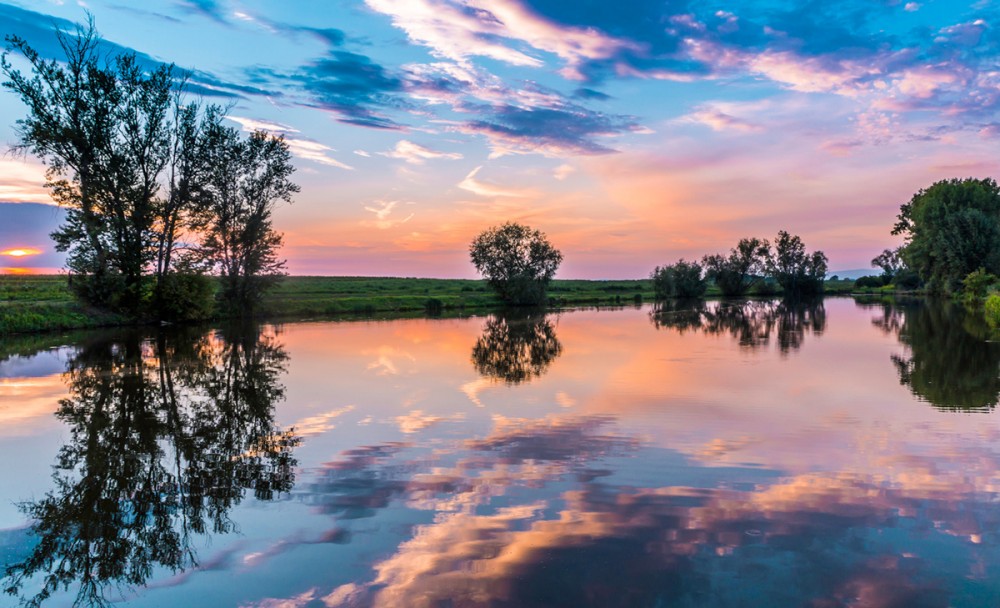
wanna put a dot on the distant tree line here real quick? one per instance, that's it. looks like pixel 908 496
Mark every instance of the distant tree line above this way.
pixel 754 265
pixel 159 193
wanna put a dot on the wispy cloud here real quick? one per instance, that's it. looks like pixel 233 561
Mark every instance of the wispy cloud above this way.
pixel 416 154
pixel 382 221
pixel 301 147
pixel 476 186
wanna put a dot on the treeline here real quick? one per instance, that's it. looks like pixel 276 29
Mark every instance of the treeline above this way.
pixel 159 193
pixel 753 266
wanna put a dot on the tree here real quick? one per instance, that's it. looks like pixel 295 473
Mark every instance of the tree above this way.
pixel 516 261
pixel 680 280
pixel 742 269
pixel 139 170
pixel 103 127
pixel 516 348
pixel 798 273
pixel 246 180
pixel 890 262
pixel 951 229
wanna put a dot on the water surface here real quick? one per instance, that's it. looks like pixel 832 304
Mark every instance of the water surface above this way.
pixel 838 453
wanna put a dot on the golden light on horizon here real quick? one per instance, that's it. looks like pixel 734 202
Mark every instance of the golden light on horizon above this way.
pixel 21 252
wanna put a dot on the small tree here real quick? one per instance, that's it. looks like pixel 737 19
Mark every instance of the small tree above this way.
pixel 798 273
pixel 516 261
pixel 743 268
pixel 680 280
pixel 890 262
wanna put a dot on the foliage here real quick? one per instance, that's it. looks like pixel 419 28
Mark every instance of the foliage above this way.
pixel 129 159
pixel 680 280
pixel 798 273
pixel 951 229
pixel 186 297
pixel 890 261
pixel 991 310
pixel 976 285
pixel 871 281
pixel 246 179
pixel 516 261
pixel 745 266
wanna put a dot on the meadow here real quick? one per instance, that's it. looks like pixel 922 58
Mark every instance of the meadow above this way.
pixel 32 303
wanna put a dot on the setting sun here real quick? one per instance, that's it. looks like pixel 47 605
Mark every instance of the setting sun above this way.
pixel 21 252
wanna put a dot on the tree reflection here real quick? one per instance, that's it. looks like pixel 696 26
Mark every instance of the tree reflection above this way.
pixel 166 436
pixel 949 361
pixel 752 323
pixel 516 347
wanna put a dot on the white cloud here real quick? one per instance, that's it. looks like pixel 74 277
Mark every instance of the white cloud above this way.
pixel 563 171
pixel 382 211
pixel 481 188
pixel 300 147
pixel 415 154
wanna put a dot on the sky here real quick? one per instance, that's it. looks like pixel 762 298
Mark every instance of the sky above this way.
pixel 631 133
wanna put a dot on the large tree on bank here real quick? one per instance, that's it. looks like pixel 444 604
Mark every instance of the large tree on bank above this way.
pixel 952 228
pixel 131 161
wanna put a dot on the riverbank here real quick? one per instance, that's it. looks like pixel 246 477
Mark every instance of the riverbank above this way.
pixel 36 303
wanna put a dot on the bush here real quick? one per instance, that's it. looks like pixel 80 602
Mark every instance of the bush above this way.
pixel 185 297
pixel 873 282
pixel 976 285
pixel 991 310
pixel 681 280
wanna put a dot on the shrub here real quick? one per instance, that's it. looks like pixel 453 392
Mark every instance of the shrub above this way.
pixel 991 310
pixel 185 297
pixel 976 285
pixel 681 280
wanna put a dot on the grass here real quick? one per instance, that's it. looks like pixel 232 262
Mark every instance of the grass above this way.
pixel 33 303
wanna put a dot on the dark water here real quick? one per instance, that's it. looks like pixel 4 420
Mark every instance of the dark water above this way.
pixel 739 454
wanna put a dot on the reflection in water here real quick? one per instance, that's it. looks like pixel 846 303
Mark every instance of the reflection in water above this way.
pixel 751 322
pixel 949 361
pixel 507 533
pixel 516 347
pixel 165 437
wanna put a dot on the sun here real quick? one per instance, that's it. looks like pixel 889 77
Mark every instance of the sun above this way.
pixel 20 252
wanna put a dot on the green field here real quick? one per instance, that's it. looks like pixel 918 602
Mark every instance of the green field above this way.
pixel 30 303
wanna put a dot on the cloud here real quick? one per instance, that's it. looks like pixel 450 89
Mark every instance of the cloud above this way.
pixel 563 171
pixel 550 131
pixel 301 147
pixel 350 85
pixel 382 211
pixel 481 188
pixel 211 9
pixel 416 154
pixel 718 120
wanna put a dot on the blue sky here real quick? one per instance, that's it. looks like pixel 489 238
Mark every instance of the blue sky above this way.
pixel 632 133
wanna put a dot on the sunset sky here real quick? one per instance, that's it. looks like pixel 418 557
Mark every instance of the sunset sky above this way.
pixel 633 133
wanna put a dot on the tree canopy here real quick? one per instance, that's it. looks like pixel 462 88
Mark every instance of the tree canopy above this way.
pixel 951 228
pixel 516 261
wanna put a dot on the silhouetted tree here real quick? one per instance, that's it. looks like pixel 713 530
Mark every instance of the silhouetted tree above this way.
pixel 516 261
pixel 798 273
pixel 743 268
pixel 246 179
pixel 680 280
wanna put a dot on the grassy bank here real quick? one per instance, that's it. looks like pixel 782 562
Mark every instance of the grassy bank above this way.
pixel 43 303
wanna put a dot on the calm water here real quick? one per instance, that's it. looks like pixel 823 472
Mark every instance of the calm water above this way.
pixel 841 454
